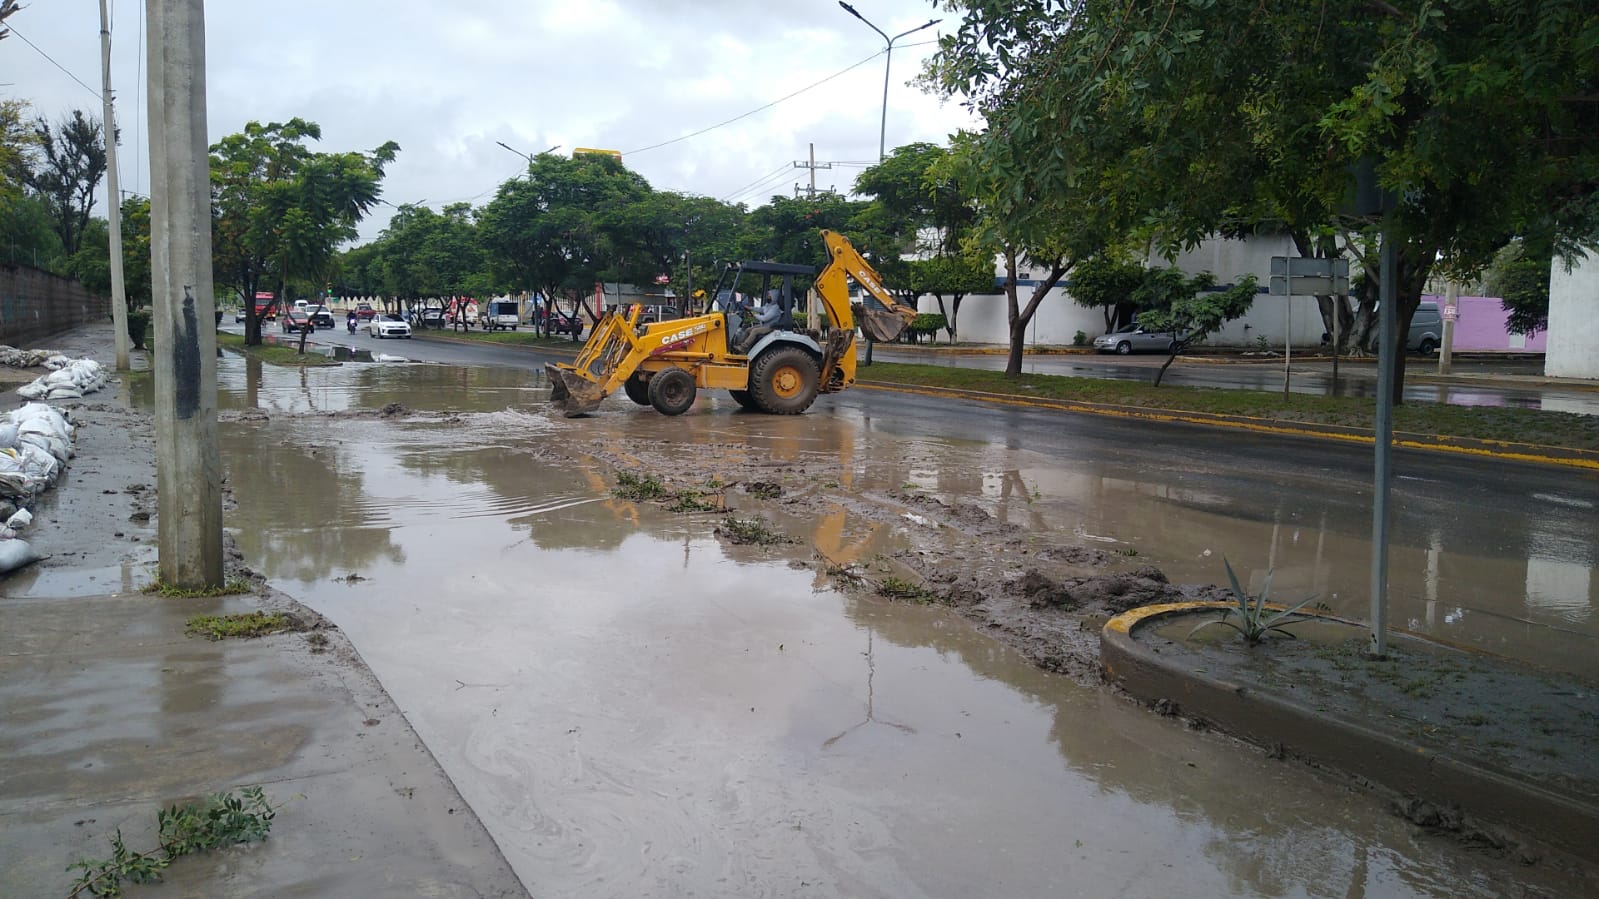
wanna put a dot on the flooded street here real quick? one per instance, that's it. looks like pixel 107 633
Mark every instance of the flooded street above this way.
pixel 635 707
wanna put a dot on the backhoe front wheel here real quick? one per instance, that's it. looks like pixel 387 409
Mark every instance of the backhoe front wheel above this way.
pixel 671 391
pixel 637 388
pixel 783 380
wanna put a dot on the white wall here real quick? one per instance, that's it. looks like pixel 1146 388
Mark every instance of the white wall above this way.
pixel 983 318
pixel 1572 350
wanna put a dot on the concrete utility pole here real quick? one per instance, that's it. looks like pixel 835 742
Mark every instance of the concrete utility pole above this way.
pixel 813 166
pixel 119 297
pixel 188 466
pixel 1451 312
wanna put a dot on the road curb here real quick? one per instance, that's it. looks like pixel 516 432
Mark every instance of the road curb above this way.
pixel 1272 720
pixel 1587 460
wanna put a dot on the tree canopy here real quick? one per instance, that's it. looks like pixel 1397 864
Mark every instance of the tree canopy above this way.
pixel 1192 118
pixel 281 210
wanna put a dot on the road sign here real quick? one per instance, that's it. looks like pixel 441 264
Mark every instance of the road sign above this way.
pixel 1451 312
pixel 1302 276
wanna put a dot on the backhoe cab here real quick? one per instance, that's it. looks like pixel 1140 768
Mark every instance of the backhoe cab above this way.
pixel 745 340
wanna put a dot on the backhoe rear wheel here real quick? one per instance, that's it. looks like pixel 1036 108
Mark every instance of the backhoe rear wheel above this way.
pixel 783 380
pixel 672 391
pixel 637 388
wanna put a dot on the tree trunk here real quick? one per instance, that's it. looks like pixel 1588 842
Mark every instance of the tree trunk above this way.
pixel 1017 333
pixel 1172 357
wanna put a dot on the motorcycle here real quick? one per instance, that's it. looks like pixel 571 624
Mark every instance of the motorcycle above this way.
pixel 350 323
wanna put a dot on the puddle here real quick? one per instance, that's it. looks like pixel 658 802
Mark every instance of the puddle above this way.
pixel 37 581
pixel 633 708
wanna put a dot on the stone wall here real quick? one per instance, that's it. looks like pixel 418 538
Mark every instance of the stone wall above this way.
pixel 35 304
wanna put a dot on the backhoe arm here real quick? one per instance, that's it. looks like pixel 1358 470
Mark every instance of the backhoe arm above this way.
pixel 882 325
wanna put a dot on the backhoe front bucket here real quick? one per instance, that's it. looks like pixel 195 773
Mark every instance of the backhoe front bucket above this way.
pixel 884 326
pixel 572 393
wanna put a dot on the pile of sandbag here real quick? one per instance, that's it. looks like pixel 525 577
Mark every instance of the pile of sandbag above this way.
pixel 15 358
pixel 68 378
pixel 35 444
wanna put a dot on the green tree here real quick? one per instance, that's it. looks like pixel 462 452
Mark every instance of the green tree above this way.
pixel 65 166
pixel 136 252
pixel 1190 308
pixel 15 140
pixel 1187 135
pixel 1519 276
pixel 1108 282
pixel 28 236
pixel 280 210
pixel 556 230
pixel 663 231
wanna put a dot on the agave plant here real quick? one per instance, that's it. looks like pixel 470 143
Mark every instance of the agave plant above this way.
pixel 1254 620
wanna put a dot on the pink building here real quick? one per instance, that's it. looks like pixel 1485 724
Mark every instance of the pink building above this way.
pixel 1481 328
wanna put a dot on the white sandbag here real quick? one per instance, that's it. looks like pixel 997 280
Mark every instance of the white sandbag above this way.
pixel 34 390
pixel 15 483
pixel 8 434
pixel 19 519
pixel 61 376
pixel 64 392
pixel 57 362
pixel 49 443
pixel 51 423
pixel 16 553
pixel 39 463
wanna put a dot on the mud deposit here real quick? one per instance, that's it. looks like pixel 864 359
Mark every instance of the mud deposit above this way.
pixel 1045 599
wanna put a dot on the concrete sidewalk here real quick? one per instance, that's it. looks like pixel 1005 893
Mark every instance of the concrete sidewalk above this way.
pixel 109 711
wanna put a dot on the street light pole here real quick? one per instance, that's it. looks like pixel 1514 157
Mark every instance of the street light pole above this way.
pixel 888 62
pixel 882 130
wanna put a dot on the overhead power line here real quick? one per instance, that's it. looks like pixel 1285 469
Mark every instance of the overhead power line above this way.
pixel 13 30
pixel 746 115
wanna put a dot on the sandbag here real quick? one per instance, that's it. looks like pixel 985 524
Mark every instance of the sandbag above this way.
pixel 8 434
pixel 16 553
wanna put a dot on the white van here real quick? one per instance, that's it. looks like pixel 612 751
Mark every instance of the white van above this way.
pixel 501 314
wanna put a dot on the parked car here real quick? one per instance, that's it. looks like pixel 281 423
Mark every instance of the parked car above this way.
pixel 1134 339
pixel 428 317
pixel 1426 329
pixel 321 317
pixel 238 315
pixel 391 325
pixel 365 312
pixel 296 320
pixel 561 323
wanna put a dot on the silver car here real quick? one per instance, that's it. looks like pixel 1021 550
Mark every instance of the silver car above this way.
pixel 1134 339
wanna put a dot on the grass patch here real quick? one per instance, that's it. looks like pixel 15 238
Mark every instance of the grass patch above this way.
pixel 512 338
pixel 898 588
pixel 695 501
pixel 1559 429
pixel 232 586
pixel 276 354
pixel 639 488
pixel 749 532
pixel 243 624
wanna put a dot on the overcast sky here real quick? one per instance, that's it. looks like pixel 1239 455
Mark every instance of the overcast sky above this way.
pixel 447 81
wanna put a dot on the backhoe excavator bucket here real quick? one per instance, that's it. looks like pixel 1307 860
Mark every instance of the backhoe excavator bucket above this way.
pixel 572 393
pixel 883 325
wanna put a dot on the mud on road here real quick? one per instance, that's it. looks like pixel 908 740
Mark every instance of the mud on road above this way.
pixel 1046 598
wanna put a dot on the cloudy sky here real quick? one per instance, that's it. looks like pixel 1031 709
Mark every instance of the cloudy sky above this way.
pixel 449 81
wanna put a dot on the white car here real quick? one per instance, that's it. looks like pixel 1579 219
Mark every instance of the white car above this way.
pixel 390 325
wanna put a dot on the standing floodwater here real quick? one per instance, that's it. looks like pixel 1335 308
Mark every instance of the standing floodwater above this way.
pixel 635 707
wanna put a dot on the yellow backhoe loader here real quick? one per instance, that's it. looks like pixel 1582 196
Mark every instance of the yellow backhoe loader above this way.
pixel 755 352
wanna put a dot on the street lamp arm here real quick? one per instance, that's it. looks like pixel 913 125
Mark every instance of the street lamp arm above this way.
pixel 852 11
pixel 930 24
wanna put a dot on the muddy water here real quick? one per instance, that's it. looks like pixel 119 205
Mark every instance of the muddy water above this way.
pixel 634 709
